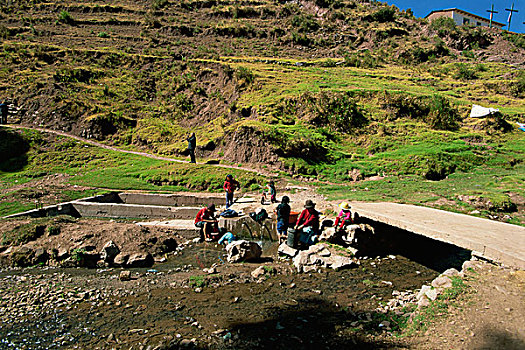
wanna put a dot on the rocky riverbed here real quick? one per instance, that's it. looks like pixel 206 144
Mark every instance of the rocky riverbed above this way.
pixel 197 299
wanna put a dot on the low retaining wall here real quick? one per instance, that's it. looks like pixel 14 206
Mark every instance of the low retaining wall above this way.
pixel 112 210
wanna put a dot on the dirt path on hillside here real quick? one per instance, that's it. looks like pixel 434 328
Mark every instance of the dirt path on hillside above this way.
pixel 144 154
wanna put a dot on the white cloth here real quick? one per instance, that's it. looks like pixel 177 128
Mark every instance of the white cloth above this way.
pixel 479 111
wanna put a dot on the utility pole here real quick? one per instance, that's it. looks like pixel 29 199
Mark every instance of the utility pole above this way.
pixel 492 12
pixel 511 10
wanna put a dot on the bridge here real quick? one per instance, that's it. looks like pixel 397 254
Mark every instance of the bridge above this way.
pixel 492 240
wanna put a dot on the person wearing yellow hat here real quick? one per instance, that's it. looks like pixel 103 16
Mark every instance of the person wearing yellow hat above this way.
pixel 345 216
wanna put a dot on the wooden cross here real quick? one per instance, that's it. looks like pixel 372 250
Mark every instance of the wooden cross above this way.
pixel 511 10
pixel 492 12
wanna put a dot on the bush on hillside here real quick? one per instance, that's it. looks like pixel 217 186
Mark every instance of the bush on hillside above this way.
pixel 245 75
pixel 65 17
pixel 361 60
pixel 444 26
pixel 518 88
pixel 417 54
pixel 515 38
pixel 335 4
pixel 385 14
pixel 442 115
pixel 465 72
pixel 305 23
pixel 436 110
pixel 159 4
pixel 338 112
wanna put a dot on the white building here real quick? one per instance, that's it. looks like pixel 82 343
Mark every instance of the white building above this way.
pixel 464 18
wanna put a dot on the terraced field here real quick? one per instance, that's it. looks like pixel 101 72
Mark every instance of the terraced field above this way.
pixel 332 91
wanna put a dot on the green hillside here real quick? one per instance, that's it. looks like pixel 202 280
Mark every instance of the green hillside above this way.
pixel 326 90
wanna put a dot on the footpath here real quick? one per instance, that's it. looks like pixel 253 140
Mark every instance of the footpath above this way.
pixel 493 240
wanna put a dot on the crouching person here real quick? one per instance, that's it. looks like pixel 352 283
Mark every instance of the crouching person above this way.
pixel 307 226
pixel 227 237
pixel 344 218
pixel 207 223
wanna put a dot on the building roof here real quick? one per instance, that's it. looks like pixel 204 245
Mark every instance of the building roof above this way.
pixel 466 13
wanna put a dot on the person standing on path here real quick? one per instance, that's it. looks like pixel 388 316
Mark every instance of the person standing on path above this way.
pixel 230 185
pixel 3 112
pixel 192 144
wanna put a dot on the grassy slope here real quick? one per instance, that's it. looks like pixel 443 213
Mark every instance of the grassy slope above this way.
pixel 132 77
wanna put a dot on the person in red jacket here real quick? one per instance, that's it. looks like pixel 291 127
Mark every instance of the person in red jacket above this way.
pixel 230 185
pixel 308 222
pixel 206 221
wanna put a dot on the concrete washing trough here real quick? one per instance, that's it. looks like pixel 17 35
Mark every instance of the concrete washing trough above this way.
pixel 176 211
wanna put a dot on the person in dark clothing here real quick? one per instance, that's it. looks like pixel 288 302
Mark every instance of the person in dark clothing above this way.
pixel 3 112
pixel 283 217
pixel 230 185
pixel 192 144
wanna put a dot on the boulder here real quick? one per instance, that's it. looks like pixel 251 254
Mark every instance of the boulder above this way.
pixel 22 256
pixel 258 272
pixel 284 249
pixel 41 256
pixel 471 264
pixel 61 253
pixel 125 275
pixel 121 259
pixel 168 245
pixel 423 302
pixel 140 260
pixel 301 260
pixel 442 282
pixel 315 249
pixel 338 262
pixel 327 234
pixel 109 252
pixel 243 250
pixel 451 272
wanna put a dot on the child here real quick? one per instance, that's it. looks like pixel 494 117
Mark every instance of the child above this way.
pixel 283 218
pixel 345 216
pixel 270 190
pixel 227 237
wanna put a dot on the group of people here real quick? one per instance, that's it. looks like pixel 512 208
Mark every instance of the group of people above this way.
pixel 305 230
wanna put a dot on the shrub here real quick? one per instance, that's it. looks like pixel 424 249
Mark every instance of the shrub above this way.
pixel 516 39
pixel 443 26
pixel 159 4
pixel 361 60
pixel 442 115
pixel 518 88
pixel 385 14
pixel 245 74
pixel 338 113
pixel 465 72
pixel 301 39
pixel 103 35
pixel 65 17
pixel 305 23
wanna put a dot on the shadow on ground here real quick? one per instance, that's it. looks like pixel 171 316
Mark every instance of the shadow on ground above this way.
pixel 13 149
pixel 313 323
